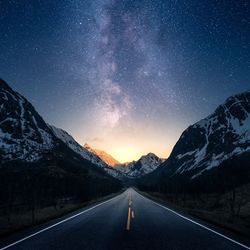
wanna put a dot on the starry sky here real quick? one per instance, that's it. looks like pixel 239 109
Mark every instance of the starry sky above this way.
pixel 125 76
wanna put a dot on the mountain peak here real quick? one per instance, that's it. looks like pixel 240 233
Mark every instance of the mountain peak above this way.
pixel 146 164
pixel 107 158
pixel 3 84
pixel 5 88
pixel 236 106
pixel 23 133
pixel 214 139
pixel 150 155
pixel 87 146
pixel 150 158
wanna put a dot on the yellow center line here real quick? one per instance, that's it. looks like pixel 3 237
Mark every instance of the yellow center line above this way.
pixel 128 221
pixel 133 214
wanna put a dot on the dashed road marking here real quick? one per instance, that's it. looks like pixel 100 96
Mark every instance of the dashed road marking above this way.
pixel 133 214
pixel 128 221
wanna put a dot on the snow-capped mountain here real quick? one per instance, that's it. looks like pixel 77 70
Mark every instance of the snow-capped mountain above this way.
pixel 33 158
pixel 83 152
pixel 25 136
pixel 23 133
pixel 145 165
pixel 208 143
pixel 107 158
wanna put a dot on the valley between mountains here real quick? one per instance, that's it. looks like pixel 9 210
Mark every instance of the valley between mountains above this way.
pixel 45 172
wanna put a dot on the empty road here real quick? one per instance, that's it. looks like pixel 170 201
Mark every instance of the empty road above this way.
pixel 127 221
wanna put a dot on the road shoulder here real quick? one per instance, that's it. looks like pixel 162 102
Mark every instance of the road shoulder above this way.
pixel 210 225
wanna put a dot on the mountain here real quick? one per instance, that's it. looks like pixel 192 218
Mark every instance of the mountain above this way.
pixel 84 152
pixel 217 147
pixel 23 133
pixel 107 158
pixel 33 157
pixel 220 136
pixel 132 170
pixel 146 164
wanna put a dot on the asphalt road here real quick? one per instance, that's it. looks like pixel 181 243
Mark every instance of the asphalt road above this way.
pixel 128 221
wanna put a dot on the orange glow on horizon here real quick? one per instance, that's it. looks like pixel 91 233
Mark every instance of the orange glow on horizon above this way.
pixel 125 154
pixel 129 145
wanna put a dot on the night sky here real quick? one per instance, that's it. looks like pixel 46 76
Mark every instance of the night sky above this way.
pixel 125 76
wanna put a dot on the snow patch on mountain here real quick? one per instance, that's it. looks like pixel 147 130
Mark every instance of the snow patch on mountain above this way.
pixel 146 164
pixel 22 137
pixel 83 152
pixel 107 158
pixel 220 136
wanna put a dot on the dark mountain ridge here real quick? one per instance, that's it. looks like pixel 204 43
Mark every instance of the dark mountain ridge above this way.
pixel 206 150
pixel 32 156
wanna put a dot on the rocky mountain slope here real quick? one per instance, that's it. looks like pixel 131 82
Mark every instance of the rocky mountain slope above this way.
pixel 146 164
pixel 107 158
pixel 209 142
pixel 216 148
pixel 25 136
pixel 23 133
pixel 131 170
pixel 83 152
pixel 38 167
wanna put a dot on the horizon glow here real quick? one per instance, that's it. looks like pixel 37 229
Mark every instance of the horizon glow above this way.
pixel 127 77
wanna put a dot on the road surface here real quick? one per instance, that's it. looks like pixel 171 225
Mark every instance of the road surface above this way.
pixel 127 221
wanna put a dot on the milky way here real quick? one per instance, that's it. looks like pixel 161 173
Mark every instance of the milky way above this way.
pixel 126 65
pixel 125 76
